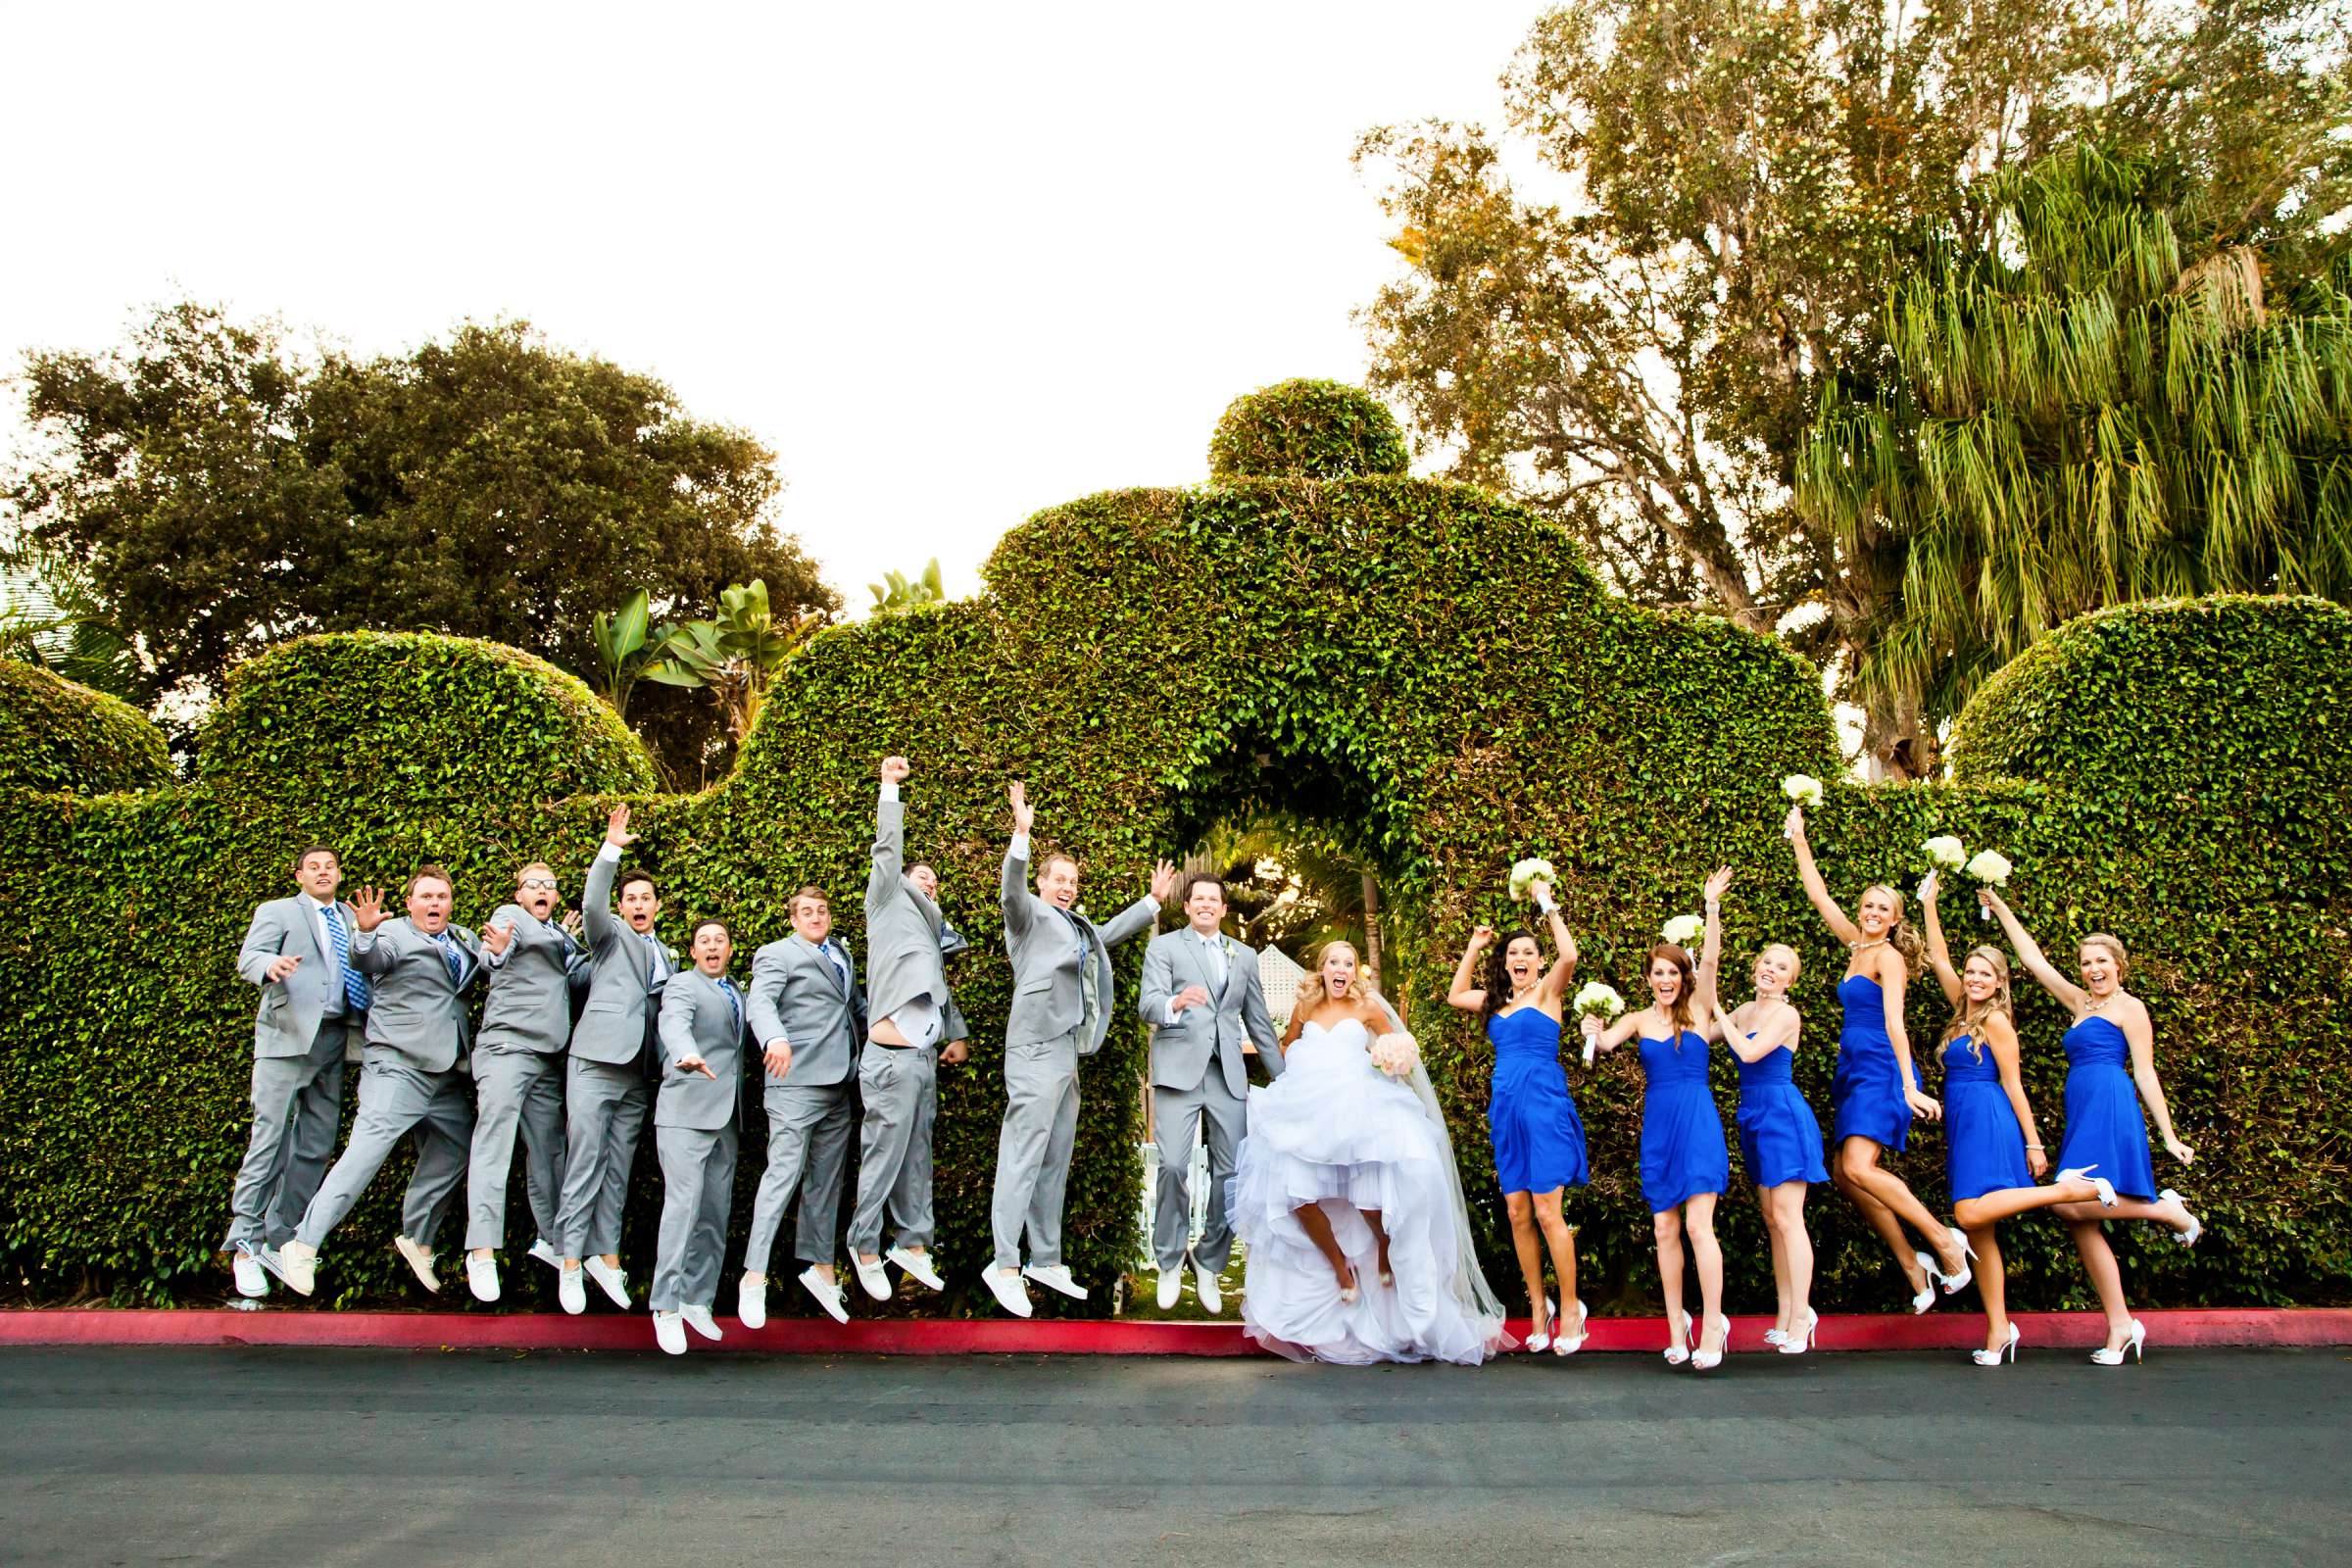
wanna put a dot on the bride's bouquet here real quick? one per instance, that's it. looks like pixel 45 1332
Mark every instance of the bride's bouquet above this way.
pixel 1802 788
pixel 1396 1054
pixel 1685 930
pixel 1946 853
pixel 1594 999
pixel 1990 867
pixel 1528 872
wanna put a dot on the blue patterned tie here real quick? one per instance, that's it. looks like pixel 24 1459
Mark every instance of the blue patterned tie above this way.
pixel 354 984
pixel 841 969
pixel 448 956
pixel 734 1003
pixel 652 957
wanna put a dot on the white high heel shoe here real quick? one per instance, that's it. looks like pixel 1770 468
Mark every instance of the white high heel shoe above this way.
pixel 2083 1173
pixel 2137 1345
pixel 1570 1344
pixel 1539 1342
pixel 1709 1361
pixel 1993 1357
pixel 1678 1349
pixel 1955 1283
pixel 1927 1292
pixel 2196 1226
pixel 1797 1343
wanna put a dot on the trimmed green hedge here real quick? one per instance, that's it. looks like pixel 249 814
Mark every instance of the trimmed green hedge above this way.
pixel 1306 430
pixel 1436 673
pixel 57 735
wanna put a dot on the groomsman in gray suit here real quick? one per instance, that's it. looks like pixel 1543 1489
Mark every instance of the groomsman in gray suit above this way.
pixel 898 1075
pixel 808 1016
pixel 607 1089
pixel 1061 1000
pixel 693 1133
pixel 519 1074
pixel 1207 1007
pixel 420 969
pixel 314 1002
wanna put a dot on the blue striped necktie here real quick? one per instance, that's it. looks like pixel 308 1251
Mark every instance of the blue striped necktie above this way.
pixel 448 956
pixel 354 984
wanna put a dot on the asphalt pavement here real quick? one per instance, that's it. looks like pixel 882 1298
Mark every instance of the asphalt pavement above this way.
pixel 257 1457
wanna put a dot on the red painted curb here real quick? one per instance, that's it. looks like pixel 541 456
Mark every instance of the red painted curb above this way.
pixel 543 1331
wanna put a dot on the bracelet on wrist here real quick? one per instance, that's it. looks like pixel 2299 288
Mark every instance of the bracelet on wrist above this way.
pixel 2044 1147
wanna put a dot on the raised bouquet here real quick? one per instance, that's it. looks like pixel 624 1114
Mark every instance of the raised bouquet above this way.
pixel 1685 930
pixel 1946 853
pixel 1396 1054
pixel 1802 788
pixel 1530 871
pixel 1592 1000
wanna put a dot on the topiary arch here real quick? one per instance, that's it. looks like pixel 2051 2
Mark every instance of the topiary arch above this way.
pixel 1428 669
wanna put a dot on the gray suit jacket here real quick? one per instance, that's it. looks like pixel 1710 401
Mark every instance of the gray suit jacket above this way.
pixel 418 1012
pixel 798 997
pixel 698 1021
pixel 291 1008
pixel 1236 1012
pixel 903 958
pixel 530 988
pixel 1049 991
pixel 617 1020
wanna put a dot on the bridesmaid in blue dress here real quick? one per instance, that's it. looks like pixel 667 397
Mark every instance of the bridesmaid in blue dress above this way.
pixel 1539 1138
pixel 1876 1090
pixel 1684 1163
pixel 1994 1157
pixel 1780 1142
pixel 2110 1053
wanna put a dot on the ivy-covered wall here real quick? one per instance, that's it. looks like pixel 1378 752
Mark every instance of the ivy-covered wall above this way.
pixel 1432 672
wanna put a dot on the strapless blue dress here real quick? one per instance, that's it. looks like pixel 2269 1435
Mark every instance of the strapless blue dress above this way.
pixel 2105 1126
pixel 1866 1096
pixel 1683 1152
pixel 1983 1147
pixel 1539 1138
pixel 1779 1139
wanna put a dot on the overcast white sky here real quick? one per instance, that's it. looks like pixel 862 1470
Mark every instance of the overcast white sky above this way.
pixel 955 263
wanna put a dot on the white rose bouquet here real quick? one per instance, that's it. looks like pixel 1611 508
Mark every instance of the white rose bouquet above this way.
pixel 1592 1000
pixel 1802 788
pixel 1946 853
pixel 1685 930
pixel 1396 1054
pixel 1990 867
pixel 1528 872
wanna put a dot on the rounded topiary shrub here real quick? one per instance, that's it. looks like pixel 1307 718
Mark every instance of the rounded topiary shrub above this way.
pixel 56 735
pixel 1308 430
pixel 411 718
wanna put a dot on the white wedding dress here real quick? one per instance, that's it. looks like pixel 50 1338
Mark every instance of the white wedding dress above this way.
pixel 1335 1131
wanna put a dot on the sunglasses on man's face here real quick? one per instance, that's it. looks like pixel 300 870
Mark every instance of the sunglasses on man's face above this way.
pixel 547 882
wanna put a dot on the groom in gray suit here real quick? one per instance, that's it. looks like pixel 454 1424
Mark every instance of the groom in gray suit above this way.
pixel 605 1092
pixel 519 1074
pixel 1207 1007
pixel 693 1133
pixel 420 969
pixel 313 1003
pixel 808 1016
pixel 1061 1000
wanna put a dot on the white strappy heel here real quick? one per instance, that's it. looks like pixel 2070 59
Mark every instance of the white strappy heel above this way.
pixel 2083 1173
pixel 2137 1345
pixel 1927 1292
pixel 1955 1283
pixel 1798 1343
pixel 1709 1361
pixel 1993 1357
pixel 2196 1226
pixel 1570 1344
pixel 1678 1349
pixel 1539 1342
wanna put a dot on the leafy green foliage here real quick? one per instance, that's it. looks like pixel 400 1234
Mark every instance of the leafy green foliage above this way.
pixel 1306 430
pixel 1432 675
pixel 56 735
pixel 738 656
pixel 897 592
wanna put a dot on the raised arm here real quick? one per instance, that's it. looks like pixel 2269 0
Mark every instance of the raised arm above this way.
pixel 367 955
pixel 2029 953
pixel 2000 1036
pixel 1136 919
pixel 2139 1033
pixel 1711 947
pixel 597 919
pixel 1465 993
pixel 1555 983
pixel 1816 889
pixel 1013 887
pixel 884 882
pixel 1939 957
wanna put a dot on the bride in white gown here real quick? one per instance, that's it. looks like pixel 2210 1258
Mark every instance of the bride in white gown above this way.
pixel 1346 1197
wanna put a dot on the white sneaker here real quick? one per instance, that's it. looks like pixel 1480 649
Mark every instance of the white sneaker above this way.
pixel 699 1319
pixel 421 1262
pixel 827 1292
pixel 481 1278
pixel 1171 1286
pixel 1056 1277
pixel 612 1281
pixel 572 1291
pixel 916 1263
pixel 545 1252
pixel 669 1333
pixel 1205 1283
pixel 750 1301
pixel 1005 1283
pixel 252 1279
pixel 872 1276
pixel 296 1264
